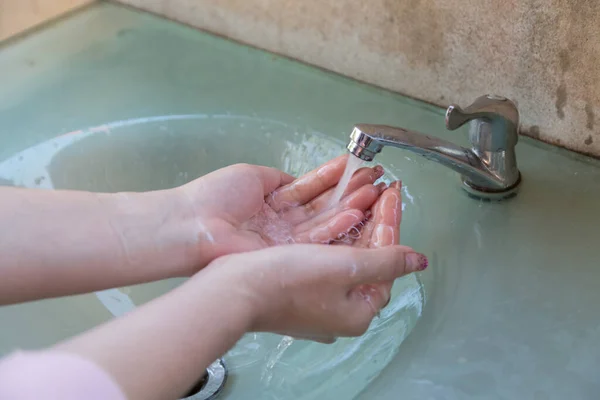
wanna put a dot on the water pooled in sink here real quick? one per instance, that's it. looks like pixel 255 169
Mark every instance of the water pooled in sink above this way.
pixel 161 152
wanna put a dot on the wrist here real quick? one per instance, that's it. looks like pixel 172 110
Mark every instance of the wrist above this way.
pixel 227 293
pixel 153 240
pixel 248 282
pixel 195 225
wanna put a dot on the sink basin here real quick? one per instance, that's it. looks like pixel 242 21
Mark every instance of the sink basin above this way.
pixel 164 152
pixel 508 307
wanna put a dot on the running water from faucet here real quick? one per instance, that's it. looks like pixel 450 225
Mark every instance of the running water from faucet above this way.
pixel 353 164
pixel 267 373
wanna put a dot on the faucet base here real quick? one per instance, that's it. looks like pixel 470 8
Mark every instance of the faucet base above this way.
pixel 490 194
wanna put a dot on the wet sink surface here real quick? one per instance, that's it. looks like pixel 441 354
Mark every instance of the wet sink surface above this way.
pixel 512 291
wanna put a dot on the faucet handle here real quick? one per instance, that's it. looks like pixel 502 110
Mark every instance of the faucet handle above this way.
pixel 494 122
pixel 489 107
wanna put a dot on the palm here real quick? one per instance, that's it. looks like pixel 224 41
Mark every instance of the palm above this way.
pixel 245 207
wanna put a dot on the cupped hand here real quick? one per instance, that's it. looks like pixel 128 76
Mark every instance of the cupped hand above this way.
pixel 309 291
pixel 382 228
pixel 247 207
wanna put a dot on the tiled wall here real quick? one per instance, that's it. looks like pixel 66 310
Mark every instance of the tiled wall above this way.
pixel 17 16
pixel 544 54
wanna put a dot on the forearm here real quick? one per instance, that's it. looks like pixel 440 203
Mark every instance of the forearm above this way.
pixel 160 350
pixel 55 243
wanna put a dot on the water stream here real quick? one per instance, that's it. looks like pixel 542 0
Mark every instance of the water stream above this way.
pixel 353 164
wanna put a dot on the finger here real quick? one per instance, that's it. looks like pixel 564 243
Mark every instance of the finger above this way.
pixel 387 218
pixel 363 176
pixel 361 199
pixel 360 178
pixel 356 314
pixel 272 178
pixel 384 264
pixel 364 304
pixel 386 230
pixel 366 233
pixel 309 186
pixel 387 288
pixel 380 291
pixel 382 228
pixel 376 296
pixel 331 229
pixel 368 298
pixel 354 234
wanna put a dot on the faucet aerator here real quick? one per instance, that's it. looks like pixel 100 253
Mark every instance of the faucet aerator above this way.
pixel 360 152
pixel 362 145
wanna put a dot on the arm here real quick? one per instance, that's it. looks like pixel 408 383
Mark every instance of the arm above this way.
pixel 65 242
pixel 160 350
pixel 56 243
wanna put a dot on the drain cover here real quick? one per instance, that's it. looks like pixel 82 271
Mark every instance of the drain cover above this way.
pixel 211 383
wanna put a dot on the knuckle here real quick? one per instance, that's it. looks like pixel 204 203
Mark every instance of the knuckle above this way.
pixel 321 181
pixel 309 208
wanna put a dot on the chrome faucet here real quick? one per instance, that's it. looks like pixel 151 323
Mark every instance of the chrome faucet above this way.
pixel 488 169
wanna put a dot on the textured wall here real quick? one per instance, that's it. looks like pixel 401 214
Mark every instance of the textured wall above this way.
pixel 544 54
pixel 17 16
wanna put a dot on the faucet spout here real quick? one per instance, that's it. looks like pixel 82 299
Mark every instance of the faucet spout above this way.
pixel 488 169
pixel 366 140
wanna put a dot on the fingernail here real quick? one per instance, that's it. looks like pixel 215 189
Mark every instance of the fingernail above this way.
pixel 396 185
pixel 416 262
pixel 381 186
pixel 378 169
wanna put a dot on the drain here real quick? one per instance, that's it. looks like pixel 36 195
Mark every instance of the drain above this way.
pixel 210 384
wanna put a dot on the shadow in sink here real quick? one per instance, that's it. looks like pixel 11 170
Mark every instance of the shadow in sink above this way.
pixel 164 152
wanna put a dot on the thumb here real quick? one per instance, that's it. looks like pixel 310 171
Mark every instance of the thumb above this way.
pixel 386 264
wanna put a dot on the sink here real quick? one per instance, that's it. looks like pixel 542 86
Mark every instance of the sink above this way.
pixel 508 307
pixel 167 151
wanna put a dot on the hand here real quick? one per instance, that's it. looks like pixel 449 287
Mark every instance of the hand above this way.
pixel 380 229
pixel 310 291
pixel 303 290
pixel 245 207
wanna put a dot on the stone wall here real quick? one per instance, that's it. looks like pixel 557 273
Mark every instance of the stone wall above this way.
pixel 17 16
pixel 543 54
